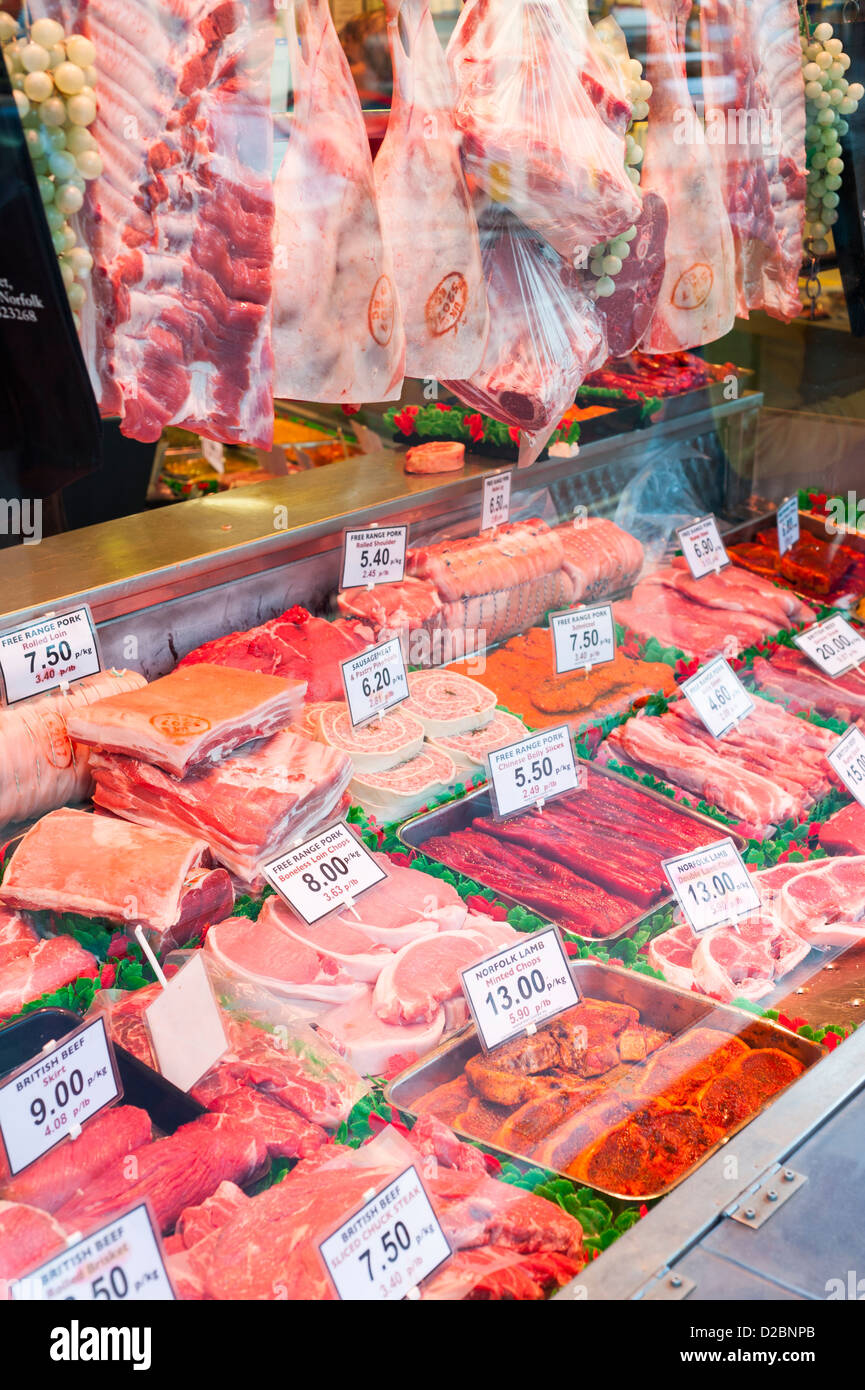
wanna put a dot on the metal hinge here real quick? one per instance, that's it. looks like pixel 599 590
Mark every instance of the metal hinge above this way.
pixel 766 1197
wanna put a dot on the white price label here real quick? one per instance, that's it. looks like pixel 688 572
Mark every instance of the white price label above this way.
pixel 788 524
pixel 321 875
pixel 712 885
pixel 496 510
pixel 519 988
pixel 186 1026
pixel 533 771
pixel 375 681
pixel 51 1097
pixel 214 454
pixel 121 1261
pixel 388 1246
pixel 833 645
pixel 40 656
pixel 718 696
pixel 374 557
pixel 703 548
pixel 848 759
pixel 583 637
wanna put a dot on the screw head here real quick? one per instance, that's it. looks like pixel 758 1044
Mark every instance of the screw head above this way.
pixel 750 1213
pixel 676 1281
pixel 772 1196
pixel 789 1175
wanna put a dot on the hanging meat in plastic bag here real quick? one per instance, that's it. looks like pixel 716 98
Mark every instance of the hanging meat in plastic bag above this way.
pixel 628 312
pixel 697 302
pixel 601 74
pixel 533 137
pixel 545 334
pixel 426 208
pixel 337 325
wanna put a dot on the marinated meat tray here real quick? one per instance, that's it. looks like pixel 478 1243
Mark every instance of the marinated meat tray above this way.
pixel 598 876
pixel 821 568
pixel 628 1093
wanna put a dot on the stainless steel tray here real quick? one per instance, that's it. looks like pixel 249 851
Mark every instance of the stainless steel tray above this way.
pixel 456 815
pixel 660 1006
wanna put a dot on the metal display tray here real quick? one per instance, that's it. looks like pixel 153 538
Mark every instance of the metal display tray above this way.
pixel 660 1006
pixel 457 815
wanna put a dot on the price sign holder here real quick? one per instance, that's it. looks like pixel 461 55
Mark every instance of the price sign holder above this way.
pixel 847 757
pixel 705 879
pixel 788 525
pixel 69 1083
pixel 46 655
pixel 520 988
pixel 496 509
pixel 703 548
pixel 388 1246
pixel 532 772
pixel 186 1026
pixel 833 645
pixel 324 874
pixel 373 556
pixel 120 1261
pixel 374 682
pixel 213 453
pixel 583 638
pixel 718 696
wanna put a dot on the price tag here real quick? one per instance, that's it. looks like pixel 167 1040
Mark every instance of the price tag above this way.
pixel 788 524
pixel 536 770
pixel 519 988
pixel 214 454
pixel 833 645
pixel 51 1097
pixel 718 696
pixel 186 1026
pixel 121 1261
pixel 39 656
pixel 319 876
pixel 374 557
pixel 375 681
pixel 496 510
pixel 703 548
pixel 848 759
pixel 388 1246
pixel 583 637
pixel 712 886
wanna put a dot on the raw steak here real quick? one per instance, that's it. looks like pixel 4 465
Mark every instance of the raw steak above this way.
pixel 249 807
pixel 788 675
pixel 196 1222
pixel 446 703
pixel 440 455
pixel 393 610
pixel 470 751
pixel 295 646
pixel 425 973
pixel 601 73
pixel 177 328
pixel 727 967
pixel 377 746
pixel 407 788
pixel 376 1048
pixel 17 937
pixel 825 904
pixel 843 833
pixel 40 767
pixel 627 314
pixel 337 323
pixel 673 954
pixel 407 904
pixel 697 301
pixel 73 1165
pixel 426 208
pixel 71 861
pixel 285 1133
pixel 196 714
pixel 262 953
pixel 343 949
pixel 28 1237
pixel 49 966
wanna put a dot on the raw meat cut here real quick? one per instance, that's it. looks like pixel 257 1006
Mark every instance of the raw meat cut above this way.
pixel 17 937
pixel 172 1173
pixel 295 646
pixel 376 1048
pixel 285 1133
pixel 196 1222
pixel 673 954
pixel 250 807
pixel 406 789
pixel 545 334
pixel 177 328
pixel 825 903
pixel 262 953
pixel 788 675
pixel 697 302
pixel 28 1237
pixel 377 746
pixel 532 134
pixel 343 949
pixel 58 1175
pixel 755 122
pixel 819 569
pixel 439 456
pixel 470 751
pixel 406 905
pixel 196 714
pixel 843 833
pixel 71 861
pixel 337 322
pixel 599 557
pixel 448 704
pixel 49 966
pixel 419 978
pixel 727 967
pixel 394 610
pixel 520 552
pixel 604 52
pixel 627 314
pixel 425 205
pixel 40 767
pixel 739 592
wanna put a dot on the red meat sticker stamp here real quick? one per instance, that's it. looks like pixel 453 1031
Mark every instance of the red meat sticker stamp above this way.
pixel 446 306
pixel 382 311
pixel 693 287
pixel 180 725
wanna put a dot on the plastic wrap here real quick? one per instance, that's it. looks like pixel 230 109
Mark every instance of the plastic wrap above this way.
pixel 533 136
pixel 426 208
pixel 337 324
pixel 545 334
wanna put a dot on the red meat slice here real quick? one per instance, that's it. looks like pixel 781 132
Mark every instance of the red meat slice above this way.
pixel 28 1236
pixel 64 1171
pixel 421 976
pixel 49 966
pixel 17 937
pixel 285 1133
